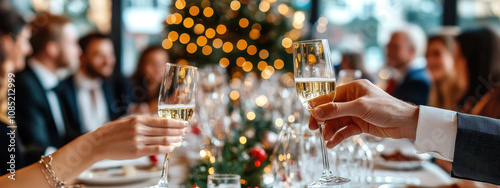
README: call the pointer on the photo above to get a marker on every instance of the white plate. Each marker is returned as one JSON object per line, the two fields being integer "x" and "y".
{"x": 115, "y": 176}
{"x": 406, "y": 147}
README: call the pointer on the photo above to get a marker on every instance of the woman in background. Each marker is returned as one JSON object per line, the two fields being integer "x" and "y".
{"x": 125, "y": 138}
{"x": 147, "y": 79}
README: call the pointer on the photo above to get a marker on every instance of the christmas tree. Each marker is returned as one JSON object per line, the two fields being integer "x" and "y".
{"x": 242, "y": 36}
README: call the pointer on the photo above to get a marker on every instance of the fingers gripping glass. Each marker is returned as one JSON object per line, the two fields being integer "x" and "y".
{"x": 315, "y": 85}
{"x": 176, "y": 101}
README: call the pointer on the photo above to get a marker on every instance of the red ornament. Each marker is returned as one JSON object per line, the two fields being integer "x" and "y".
{"x": 258, "y": 154}
{"x": 195, "y": 129}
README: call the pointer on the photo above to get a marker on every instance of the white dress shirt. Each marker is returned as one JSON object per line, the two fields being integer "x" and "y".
{"x": 436, "y": 132}
{"x": 92, "y": 104}
{"x": 49, "y": 81}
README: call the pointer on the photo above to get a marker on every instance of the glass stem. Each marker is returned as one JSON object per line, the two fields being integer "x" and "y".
{"x": 164, "y": 174}
{"x": 324, "y": 152}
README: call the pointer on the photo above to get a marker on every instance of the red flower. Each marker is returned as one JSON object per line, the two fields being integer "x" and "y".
{"x": 258, "y": 154}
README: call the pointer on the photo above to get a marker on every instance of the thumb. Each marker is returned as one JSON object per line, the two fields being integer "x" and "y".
{"x": 337, "y": 109}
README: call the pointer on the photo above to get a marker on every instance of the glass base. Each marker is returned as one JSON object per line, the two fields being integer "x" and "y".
{"x": 329, "y": 182}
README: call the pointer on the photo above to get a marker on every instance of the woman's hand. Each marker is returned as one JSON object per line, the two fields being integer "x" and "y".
{"x": 137, "y": 136}
{"x": 361, "y": 107}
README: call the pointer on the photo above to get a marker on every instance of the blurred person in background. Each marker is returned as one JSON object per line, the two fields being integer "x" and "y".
{"x": 441, "y": 67}
{"x": 14, "y": 47}
{"x": 354, "y": 61}
{"x": 464, "y": 75}
{"x": 409, "y": 82}
{"x": 91, "y": 97}
{"x": 39, "y": 115}
{"x": 147, "y": 79}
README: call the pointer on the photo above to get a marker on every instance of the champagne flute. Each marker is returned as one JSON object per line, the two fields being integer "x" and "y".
{"x": 315, "y": 80}
{"x": 176, "y": 101}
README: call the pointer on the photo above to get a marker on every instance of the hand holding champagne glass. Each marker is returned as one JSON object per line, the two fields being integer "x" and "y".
{"x": 176, "y": 101}
{"x": 315, "y": 84}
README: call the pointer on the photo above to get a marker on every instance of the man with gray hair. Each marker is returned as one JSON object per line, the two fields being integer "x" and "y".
{"x": 403, "y": 52}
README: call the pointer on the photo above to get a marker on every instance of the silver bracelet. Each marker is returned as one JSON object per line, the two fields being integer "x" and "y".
{"x": 48, "y": 167}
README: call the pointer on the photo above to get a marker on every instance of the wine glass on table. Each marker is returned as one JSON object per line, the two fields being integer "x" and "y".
{"x": 176, "y": 101}
{"x": 315, "y": 85}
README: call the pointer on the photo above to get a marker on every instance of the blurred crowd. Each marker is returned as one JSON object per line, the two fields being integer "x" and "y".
{"x": 451, "y": 70}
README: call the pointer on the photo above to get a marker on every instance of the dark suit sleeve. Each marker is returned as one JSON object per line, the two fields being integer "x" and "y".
{"x": 477, "y": 149}
{"x": 31, "y": 123}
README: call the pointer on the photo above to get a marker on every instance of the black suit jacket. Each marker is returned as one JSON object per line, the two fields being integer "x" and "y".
{"x": 116, "y": 93}
{"x": 36, "y": 125}
{"x": 414, "y": 88}
{"x": 477, "y": 149}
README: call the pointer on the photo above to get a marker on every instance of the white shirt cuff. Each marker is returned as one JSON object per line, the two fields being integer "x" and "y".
{"x": 436, "y": 132}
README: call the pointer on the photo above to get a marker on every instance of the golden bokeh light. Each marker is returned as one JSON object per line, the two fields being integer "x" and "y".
{"x": 210, "y": 33}
{"x": 227, "y": 47}
{"x": 322, "y": 21}
{"x": 242, "y": 44}
{"x": 252, "y": 50}
{"x": 262, "y": 65}
{"x": 188, "y": 22}
{"x": 166, "y": 44}
{"x": 243, "y": 140}
{"x": 180, "y": 4}
{"x": 191, "y": 48}
{"x": 251, "y": 115}
{"x": 261, "y": 101}
{"x": 205, "y": 3}
{"x": 169, "y": 19}
{"x": 283, "y": 9}
{"x": 224, "y": 62}
{"x": 244, "y": 22}
{"x": 206, "y": 50}
{"x": 257, "y": 26}
{"x": 286, "y": 42}
{"x": 234, "y": 95}
{"x": 311, "y": 59}
{"x": 199, "y": 29}
{"x": 217, "y": 43}
{"x": 201, "y": 41}
{"x": 247, "y": 66}
{"x": 221, "y": 29}
{"x": 263, "y": 54}
{"x": 279, "y": 64}
{"x": 173, "y": 36}
{"x": 240, "y": 61}
{"x": 235, "y": 5}
{"x": 254, "y": 34}
{"x": 176, "y": 18}
{"x": 264, "y": 6}
{"x": 279, "y": 123}
{"x": 182, "y": 62}
{"x": 208, "y": 12}
{"x": 211, "y": 170}
{"x": 194, "y": 10}
{"x": 184, "y": 38}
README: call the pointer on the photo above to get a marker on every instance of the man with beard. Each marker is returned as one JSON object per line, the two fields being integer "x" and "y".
{"x": 91, "y": 97}
{"x": 39, "y": 116}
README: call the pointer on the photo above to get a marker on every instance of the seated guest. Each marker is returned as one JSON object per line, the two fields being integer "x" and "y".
{"x": 147, "y": 79}
{"x": 409, "y": 82}
{"x": 14, "y": 40}
{"x": 354, "y": 60}
{"x": 90, "y": 96}
{"x": 39, "y": 115}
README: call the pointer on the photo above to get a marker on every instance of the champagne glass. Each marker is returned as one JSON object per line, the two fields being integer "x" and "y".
{"x": 315, "y": 85}
{"x": 176, "y": 101}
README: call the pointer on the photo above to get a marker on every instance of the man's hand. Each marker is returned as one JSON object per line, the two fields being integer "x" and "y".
{"x": 361, "y": 107}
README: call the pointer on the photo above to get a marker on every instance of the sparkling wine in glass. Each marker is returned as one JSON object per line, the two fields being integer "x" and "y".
{"x": 315, "y": 85}
{"x": 176, "y": 101}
